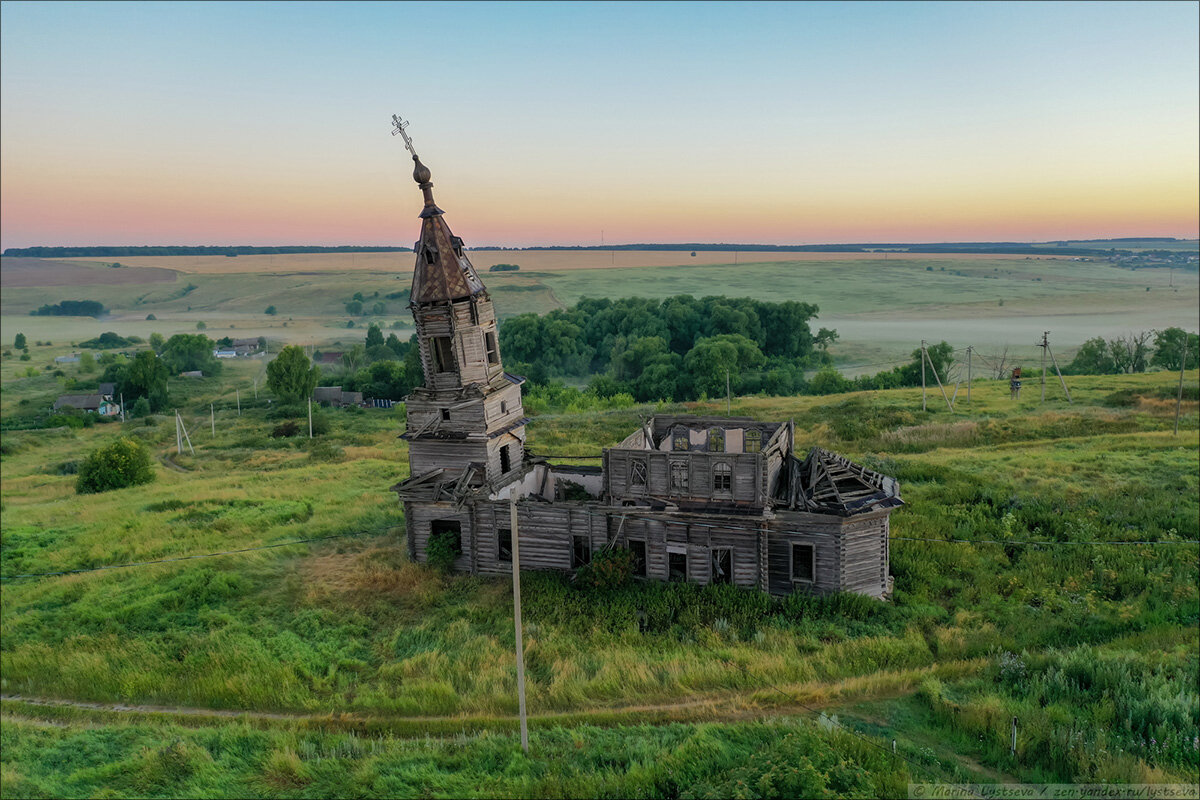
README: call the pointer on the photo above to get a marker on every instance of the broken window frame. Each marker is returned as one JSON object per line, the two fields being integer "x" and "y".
{"x": 504, "y": 544}
{"x": 752, "y": 443}
{"x": 722, "y": 478}
{"x": 673, "y": 572}
{"x": 639, "y": 474}
{"x": 714, "y": 564}
{"x": 680, "y": 472}
{"x": 492, "y": 348}
{"x": 640, "y": 560}
{"x": 581, "y": 551}
{"x": 441, "y": 352}
{"x": 716, "y": 441}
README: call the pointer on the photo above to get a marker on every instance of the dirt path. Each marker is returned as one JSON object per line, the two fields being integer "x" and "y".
{"x": 756, "y": 703}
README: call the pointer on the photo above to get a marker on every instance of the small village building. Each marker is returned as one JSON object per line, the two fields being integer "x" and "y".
{"x": 92, "y": 403}
{"x": 73, "y": 358}
{"x": 332, "y": 357}
{"x": 701, "y": 499}
{"x": 336, "y": 397}
{"x": 225, "y": 352}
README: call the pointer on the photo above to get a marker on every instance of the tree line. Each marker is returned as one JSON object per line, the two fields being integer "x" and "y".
{"x": 187, "y": 250}
{"x": 680, "y": 348}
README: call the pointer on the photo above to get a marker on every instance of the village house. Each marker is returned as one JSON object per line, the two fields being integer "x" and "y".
{"x": 93, "y": 403}
{"x": 336, "y": 397}
{"x": 702, "y": 499}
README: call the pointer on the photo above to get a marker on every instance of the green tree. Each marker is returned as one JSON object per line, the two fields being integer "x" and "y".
{"x": 200, "y": 325}
{"x": 271, "y": 311}
{"x": 185, "y": 352}
{"x": 87, "y": 362}
{"x": 374, "y": 336}
{"x": 114, "y": 466}
{"x": 354, "y": 307}
{"x": 145, "y": 376}
{"x": 290, "y": 375}
{"x": 378, "y": 309}
{"x": 19, "y": 341}
{"x": 140, "y": 409}
{"x": 1169, "y": 349}
{"x": 713, "y": 358}
{"x": 1093, "y": 358}
{"x": 398, "y": 347}
{"x": 157, "y": 342}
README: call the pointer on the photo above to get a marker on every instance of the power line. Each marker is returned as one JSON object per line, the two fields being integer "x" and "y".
{"x": 189, "y": 558}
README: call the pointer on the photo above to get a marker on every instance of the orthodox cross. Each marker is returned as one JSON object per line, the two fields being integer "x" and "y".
{"x": 400, "y": 125}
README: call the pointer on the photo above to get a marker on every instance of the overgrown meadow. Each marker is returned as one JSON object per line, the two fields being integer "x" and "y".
{"x": 366, "y": 674}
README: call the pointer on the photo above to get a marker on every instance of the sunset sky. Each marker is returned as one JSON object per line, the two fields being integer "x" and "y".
{"x": 269, "y": 123}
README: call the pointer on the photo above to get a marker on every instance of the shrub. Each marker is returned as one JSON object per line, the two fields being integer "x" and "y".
{"x": 114, "y": 466}
{"x": 141, "y": 408}
{"x": 288, "y": 428}
{"x": 150, "y": 317}
{"x": 442, "y": 549}
{"x": 608, "y": 569}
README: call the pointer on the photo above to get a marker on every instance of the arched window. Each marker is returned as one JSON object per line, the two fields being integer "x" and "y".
{"x": 716, "y": 441}
{"x": 753, "y": 441}
{"x": 680, "y": 441}
{"x": 722, "y": 478}
{"x": 637, "y": 473}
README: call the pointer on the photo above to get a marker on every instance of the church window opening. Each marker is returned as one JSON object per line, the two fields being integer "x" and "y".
{"x": 443, "y": 354}
{"x": 722, "y": 565}
{"x": 505, "y": 459}
{"x": 803, "y": 563}
{"x": 716, "y": 441}
{"x": 638, "y": 548}
{"x": 430, "y": 255}
{"x": 581, "y": 551}
{"x": 504, "y": 544}
{"x": 677, "y": 567}
{"x": 722, "y": 478}
{"x": 637, "y": 473}
{"x": 445, "y": 415}
{"x": 681, "y": 441}
{"x": 493, "y": 352}
{"x": 753, "y": 441}
{"x": 679, "y": 476}
{"x": 503, "y": 407}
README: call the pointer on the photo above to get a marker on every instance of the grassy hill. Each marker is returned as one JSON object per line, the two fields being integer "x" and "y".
{"x": 336, "y": 668}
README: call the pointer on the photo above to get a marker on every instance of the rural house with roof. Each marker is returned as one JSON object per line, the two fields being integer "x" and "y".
{"x": 703, "y": 499}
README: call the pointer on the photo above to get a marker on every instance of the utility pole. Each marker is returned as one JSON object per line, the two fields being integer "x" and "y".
{"x": 969, "y": 348}
{"x": 212, "y": 416}
{"x": 256, "y": 388}
{"x": 1044, "y": 344}
{"x": 238, "y": 394}
{"x": 178, "y": 435}
{"x": 516, "y": 567}
{"x": 310, "y": 417}
{"x": 122, "y": 406}
{"x": 1061, "y": 380}
{"x": 1179, "y": 396}
{"x": 923, "y": 375}
{"x": 180, "y": 426}
{"x": 728, "y": 397}
{"x": 1013, "y": 748}
{"x": 949, "y": 405}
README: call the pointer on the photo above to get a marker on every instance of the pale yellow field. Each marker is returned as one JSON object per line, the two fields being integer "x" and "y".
{"x": 528, "y": 260}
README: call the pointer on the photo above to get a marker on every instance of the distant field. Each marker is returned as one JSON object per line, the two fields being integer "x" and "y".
{"x": 529, "y": 260}
{"x": 882, "y": 306}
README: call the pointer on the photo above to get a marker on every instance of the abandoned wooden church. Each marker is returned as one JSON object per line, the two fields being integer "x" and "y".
{"x": 704, "y": 499}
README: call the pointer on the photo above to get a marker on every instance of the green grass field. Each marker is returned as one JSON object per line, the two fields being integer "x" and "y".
{"x": 366, "y": 674}
{"x": 882, "y": 308}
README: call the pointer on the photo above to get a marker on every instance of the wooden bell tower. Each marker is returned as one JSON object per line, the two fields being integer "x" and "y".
{"x": 468, "y": 413}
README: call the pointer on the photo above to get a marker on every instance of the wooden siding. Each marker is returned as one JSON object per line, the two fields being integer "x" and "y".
{"x": 746, "y": 474}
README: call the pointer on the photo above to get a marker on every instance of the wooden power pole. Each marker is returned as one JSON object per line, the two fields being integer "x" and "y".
{"x": 1044, "y": 345}
{"x": 516, "y": 566}
{"x": 969, "y": 375}
{"x": 1179, "y": 396}
{"x": 923, "y": 375}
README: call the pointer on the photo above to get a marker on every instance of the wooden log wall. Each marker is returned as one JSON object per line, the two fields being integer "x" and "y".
{"x": 747, "y": 476}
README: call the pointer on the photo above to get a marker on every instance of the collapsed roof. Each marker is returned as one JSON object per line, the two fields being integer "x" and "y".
{"x": 827, "y": 483}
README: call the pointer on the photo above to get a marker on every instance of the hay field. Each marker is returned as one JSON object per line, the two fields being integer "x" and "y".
{"x": 528, "y": 260}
